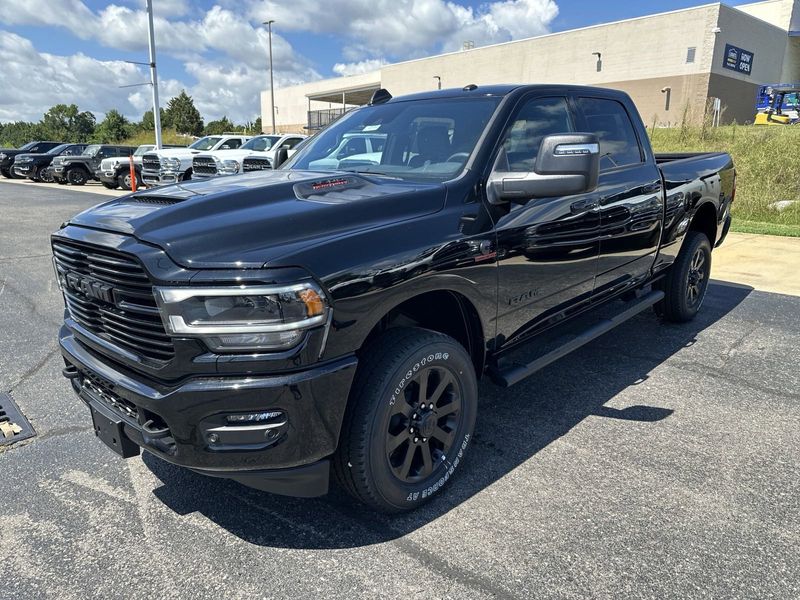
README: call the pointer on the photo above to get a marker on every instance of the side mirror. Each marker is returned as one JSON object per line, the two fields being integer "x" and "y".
{"x": 567, "y": 164}
{"x": 281, "y": 156}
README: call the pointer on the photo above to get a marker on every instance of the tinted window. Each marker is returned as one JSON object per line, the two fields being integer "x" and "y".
{"x": 610, "y": 121}
{"x": 292, "y": 142}
{"x": 536, "y": 119}
{"x": 233, "y": 143}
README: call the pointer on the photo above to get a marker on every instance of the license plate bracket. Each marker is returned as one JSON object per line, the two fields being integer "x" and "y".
{"x": 111, "y": 431}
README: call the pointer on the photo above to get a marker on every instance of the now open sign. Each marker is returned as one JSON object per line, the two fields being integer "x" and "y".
{"x": 738, "y": 59}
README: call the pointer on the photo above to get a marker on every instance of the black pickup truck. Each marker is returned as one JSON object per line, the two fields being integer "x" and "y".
{"x": 275, "y": 327}
{"x": 36, "y": 166}
{"x": 77, "y": 170}
{"x": 7, "y": 155}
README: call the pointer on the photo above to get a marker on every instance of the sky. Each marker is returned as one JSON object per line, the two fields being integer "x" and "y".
{"x": 74, "y": 51}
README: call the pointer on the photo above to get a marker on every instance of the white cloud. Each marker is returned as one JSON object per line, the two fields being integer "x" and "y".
{"x": 359, "y": 67}
{"x": 409, "y": 28}
{"x": 31, "y": 82}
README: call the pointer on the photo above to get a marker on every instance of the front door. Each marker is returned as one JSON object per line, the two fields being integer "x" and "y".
{"x": 547, "y": 248}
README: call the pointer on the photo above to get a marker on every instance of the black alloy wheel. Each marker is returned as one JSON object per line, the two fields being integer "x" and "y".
{"x": 409, "y": 419}
{"x": 77, "y": 176}
{"x": 422, "y": 427}
{"x": 686, "y": 282}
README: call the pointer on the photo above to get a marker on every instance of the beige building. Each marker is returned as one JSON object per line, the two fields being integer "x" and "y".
{"x": 670, "y": 63}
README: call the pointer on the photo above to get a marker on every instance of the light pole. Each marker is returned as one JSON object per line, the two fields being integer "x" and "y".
{"x": 271, "y": 86}
{"x": 151, "y": 39}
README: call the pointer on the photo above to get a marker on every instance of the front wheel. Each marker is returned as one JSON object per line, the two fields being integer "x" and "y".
{"x": 77, "y": 176}
{"x": 5, "y": 173}
{"x": 409, "y": 419}
{"x": 124, "y": 181}
{"x": 686, "y": 282}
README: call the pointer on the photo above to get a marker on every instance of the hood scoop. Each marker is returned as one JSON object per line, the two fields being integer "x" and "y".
{"x": 164, "y": 200}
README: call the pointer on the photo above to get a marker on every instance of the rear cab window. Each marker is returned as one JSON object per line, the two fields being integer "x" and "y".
{"x": 608, "y": 119}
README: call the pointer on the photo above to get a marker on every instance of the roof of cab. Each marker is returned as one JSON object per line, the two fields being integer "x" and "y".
{"x": 504, "y": 90}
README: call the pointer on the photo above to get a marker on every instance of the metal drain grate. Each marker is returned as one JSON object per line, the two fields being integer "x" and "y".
{"x": 14, "y": 427}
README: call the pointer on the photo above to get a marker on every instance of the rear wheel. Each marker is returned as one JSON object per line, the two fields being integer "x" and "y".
{"x": 687, "y": 280}
{"x": 77, "y": 176}
{"x": 44, "y": 176}
{"x": 409, "y": 420}
{"x": 5, "y": 173}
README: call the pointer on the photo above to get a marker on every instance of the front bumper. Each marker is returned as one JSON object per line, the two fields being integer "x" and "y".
{"x": 176, "y": 421}
{"x": 155, "y": 179}
{"x": 23, "y": 171}
{"x": 109, "y": 177}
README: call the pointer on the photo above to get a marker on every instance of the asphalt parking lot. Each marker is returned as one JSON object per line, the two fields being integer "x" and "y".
{"x": 659, "y": 461}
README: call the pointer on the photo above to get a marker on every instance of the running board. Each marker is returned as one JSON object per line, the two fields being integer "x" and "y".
{"x": 508, "y": 376}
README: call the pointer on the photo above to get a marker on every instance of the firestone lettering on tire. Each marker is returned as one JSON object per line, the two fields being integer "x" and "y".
{"x": 410, "y": 373}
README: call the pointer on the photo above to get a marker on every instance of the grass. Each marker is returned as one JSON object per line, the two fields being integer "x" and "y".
{"x": 168, "y": 136}
{"x": 767, "y": 162}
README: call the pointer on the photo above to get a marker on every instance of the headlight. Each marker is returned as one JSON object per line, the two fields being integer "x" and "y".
{"x": 270, "y": 317}
{"x": 3, "y": 156}
{"x": 229, "y": 166}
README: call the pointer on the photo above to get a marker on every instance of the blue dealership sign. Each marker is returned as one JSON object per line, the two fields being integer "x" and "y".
{"x": 737, "y": 59}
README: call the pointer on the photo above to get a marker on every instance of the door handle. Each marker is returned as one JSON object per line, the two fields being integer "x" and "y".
{"x": 582, "y": 206}
{"x": 652, "y": 188}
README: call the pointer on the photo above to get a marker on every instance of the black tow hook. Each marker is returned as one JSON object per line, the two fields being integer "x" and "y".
{"x": 70, "y": 372}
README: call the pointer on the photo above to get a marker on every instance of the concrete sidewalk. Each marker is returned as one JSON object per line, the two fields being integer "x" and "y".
{"x": 765, "y": 262}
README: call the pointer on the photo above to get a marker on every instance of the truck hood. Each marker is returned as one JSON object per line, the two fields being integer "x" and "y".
{"x": 32, "y": 156}
{"x": 253, "y": 220}
{"x": 179, "y": 152}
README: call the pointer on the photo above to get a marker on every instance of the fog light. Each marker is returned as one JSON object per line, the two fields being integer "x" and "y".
{"x": 259, "y": 417}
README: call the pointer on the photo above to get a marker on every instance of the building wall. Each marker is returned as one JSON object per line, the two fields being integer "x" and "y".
{"x": 640, "y": 56}
{"x": 292, "y": 104}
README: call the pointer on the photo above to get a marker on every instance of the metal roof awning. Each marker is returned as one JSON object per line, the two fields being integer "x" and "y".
{"x": 353, "y": 95}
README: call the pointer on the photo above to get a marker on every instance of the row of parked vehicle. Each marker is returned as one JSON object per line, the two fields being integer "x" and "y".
{"x": 210, "y": 156}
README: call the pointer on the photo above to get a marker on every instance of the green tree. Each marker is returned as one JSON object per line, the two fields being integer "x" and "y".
{"x": 148, "y": 123}
{"x": 64, "y": 122}
{"x": 183, "y": 115}
{"x": 220, "y": 126}
{"x": 113, "y": 128}
{"x": 257, "y": 126}
{"x": 18, "y": 133}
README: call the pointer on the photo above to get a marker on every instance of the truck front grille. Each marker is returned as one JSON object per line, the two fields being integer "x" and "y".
{"x": 151, "y": 163}
{"x": 109, "y": 293}
{"x": 204, "y": 166}
{"x": 255, "y": 164}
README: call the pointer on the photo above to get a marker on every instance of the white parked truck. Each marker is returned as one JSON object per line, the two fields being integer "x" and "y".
{"x": 171, "y": 165}
{"x": 255, "y": 155}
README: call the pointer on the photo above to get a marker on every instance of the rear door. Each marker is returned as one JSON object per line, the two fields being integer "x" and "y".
{"x": 631, "y": 195}
{"x": 547, "y": 247}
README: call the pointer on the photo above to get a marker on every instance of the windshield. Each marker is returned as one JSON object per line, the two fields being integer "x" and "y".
{"x": 422, "y": 139}
{"x": 261, "y": 143}
{"x": 206, "y": 143}
{"x": 92, "y": 150}
{"x": 58, "y": 149}
{"x": 142, "y": 149}
{"x": 28, "y": 146}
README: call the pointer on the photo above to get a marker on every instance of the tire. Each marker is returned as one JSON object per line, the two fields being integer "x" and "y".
{"x": 384, "y": 408}
{"x": 44, "y": 177}
{"x": 187, "y": 176}
{"x": 124, "y": 181}
{"x": 77, "y": 176}
{"x": 686, "y": 282}
{"x": 5, "y": 173}
{"x": 109, "y": 186}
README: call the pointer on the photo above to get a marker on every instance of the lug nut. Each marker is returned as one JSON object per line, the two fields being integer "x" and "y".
{"x": 430, "y": 406}
{"x": 415, "y": 416}
{"x": 411, "y": 430}
{"x": 213, "y": 438}
{"x": 416, "y": 439}
{"x": 424, "y": 440}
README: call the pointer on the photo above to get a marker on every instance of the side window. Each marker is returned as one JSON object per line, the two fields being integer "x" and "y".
{"x": 234, "y": 143}
{"x": 536, "y": 119}
{"x": 106, "y": 152}
{"x": 610, "y": 121}
{"x": 292, "y": 142}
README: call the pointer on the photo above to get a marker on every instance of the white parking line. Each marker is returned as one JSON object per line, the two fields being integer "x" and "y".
{"x": 92, "y": 187}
